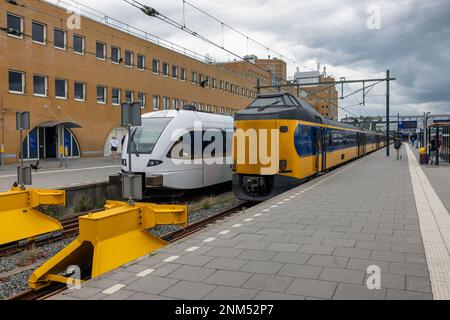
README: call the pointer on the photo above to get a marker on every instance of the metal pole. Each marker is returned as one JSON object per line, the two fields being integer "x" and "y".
{"x": 388, "y": 124}
{"x": 21, "y": 148}
{"x": 130, "y": 174}
{"x": 398, "y": 125}
{"x": 437, "y": 145}
{"x": 425, "y": 131}
{"x": 258, "y": 86}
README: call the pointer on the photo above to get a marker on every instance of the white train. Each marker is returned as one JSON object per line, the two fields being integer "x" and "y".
{"x": 173, "y": 149}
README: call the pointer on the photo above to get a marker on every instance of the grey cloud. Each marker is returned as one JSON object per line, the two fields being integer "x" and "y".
{"x": 414, "y": 41}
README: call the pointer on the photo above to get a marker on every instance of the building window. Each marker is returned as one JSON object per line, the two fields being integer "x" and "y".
{"x": 194, "y": 77}
{"x": 166, "y": 103}
{"x": 174, "y": 72}
{"x": 78, "y": 44}
{"x": 100, "y": 51}
{"x": 237, "y": 90}
{"x": 221, "y": 85}
{"x": 141, "y": 99}
{"x": 183, "y": 74}
{"x": 232, "y": 88}
{"x": 141, "y": 62}
{"x": 116, "y": 96}
{"x": 155, "y": 102}
{"x": 38, "y": 32}
{"x": 40, "y": 86}
{"x": 101, "y": 94}
{"x": 61, "y": 89}
{"x": 155, "y": 66}
{"x": 60, "y": 39}
{"x": 129, "y": 58}
{"x": 207, "y": 81}
{"x": 80, "y": 91}
{"x": 227, "y": 87}
{"x": 165, "y": 69}
{"x": 115, "y": 55}
{"x": 214, "y": 83}
{"x": 16, "y": 82}
{"x": 175, "y": 103}
{"x": 128, "y": 96}
{"x": 15, "y": 25}
{"x": 221, "y": 110}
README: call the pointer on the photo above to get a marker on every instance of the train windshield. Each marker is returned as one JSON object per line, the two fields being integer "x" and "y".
{"x": 267, "y": 102}
{"x": 144, "y": 139}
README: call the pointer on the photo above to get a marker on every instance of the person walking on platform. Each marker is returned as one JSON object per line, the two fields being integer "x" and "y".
{"x": 398, "y": 147}
{"x": 114, "y": 146}
{"x": 434, "y": 148}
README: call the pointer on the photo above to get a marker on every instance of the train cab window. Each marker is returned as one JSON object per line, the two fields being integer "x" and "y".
{"x": 294, "y": 101}
{"x": 267, "y": 102}
{"x": 304, "y": 141}
{"x": 145, "y": 138}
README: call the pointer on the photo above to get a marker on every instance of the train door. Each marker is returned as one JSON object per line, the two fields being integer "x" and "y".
{"x": 362, "y": 144}
{"x": 319, "y": 137}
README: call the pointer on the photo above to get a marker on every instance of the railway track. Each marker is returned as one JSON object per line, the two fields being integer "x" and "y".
{"x": 171, "y": 237}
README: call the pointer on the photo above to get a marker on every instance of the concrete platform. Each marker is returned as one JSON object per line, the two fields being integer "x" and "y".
{"x": 83, "y": 171}
{"x": 315, "y": 242}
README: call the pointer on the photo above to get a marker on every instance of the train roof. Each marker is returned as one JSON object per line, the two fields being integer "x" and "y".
{"x": 286, "y": 106}
{"x": 189, "y": 114}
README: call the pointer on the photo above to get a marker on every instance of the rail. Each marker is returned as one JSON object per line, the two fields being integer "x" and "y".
{"x": 172, "y": 237}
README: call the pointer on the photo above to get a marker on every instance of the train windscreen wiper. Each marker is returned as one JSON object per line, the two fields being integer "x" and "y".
{"x": 268, "y": 106}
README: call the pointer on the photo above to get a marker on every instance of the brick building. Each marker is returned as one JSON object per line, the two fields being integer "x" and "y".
{"x": 73, "y": 81}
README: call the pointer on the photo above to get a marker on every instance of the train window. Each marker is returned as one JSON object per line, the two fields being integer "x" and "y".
{"x": 330, "y": 139}
{"x": 267, "y": 102}
{"x": 144, "y": 139}
{"x": 304, "y": 137}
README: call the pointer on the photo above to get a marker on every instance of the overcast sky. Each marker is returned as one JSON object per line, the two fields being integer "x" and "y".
{"x": 412, "y": 39}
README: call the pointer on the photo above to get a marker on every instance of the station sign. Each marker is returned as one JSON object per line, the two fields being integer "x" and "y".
{"x": 407, "y": 125}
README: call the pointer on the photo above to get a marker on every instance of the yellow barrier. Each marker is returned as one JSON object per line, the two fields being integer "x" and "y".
{"x": 19, "y": 220}
{"x": 109, "y": 239}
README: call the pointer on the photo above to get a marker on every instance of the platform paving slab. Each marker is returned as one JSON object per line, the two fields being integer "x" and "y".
{"x": 314, "y": 242}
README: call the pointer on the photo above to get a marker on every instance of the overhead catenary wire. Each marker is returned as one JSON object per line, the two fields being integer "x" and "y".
{"x": 245, "y": 35}
{"x": 154, "y": 13}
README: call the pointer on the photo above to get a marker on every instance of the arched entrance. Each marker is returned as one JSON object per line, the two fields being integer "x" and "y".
{"x": 119, "y": 133}
{"x": 48, "y": 139}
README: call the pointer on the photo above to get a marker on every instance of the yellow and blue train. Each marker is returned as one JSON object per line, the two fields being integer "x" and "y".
{"x": 281, "y": 142}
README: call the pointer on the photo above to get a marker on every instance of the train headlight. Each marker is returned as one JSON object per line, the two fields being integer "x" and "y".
{"x": 154, "y": 163}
